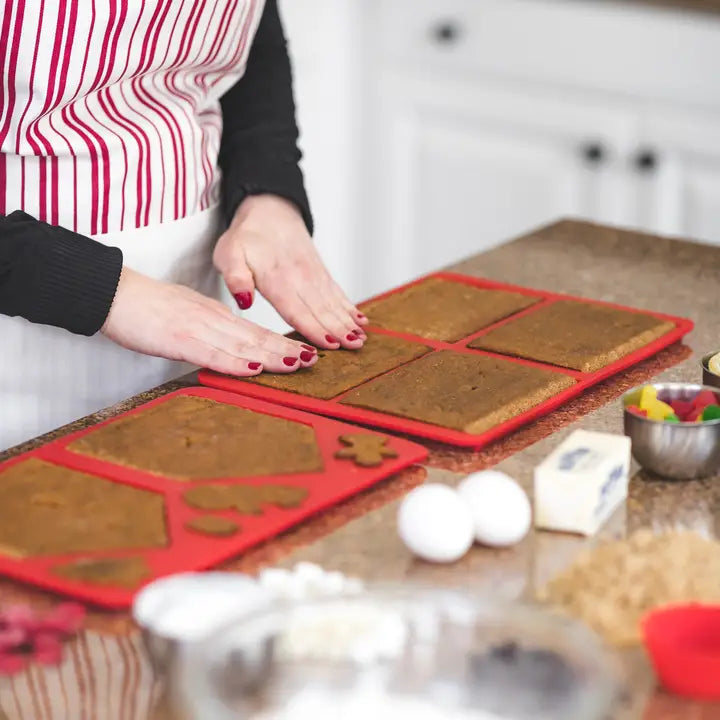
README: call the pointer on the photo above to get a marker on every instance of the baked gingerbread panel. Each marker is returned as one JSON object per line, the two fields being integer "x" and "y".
{"x": 576, "y": 335}
{"x": 339, "y": 370}
{"x": 441, "y": 309}
{"x": 188, "y": 438}
{"x": 460, "y": 391}
{"x": 115, "y": 572}
{"x": 46, "y": 509}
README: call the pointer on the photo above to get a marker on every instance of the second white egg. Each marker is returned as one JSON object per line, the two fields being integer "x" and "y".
{"x": 499, "y": 507}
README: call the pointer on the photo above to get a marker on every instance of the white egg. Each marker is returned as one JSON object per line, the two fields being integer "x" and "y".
{"x": 435, "y": 523}
{"x": 499, "y": 507}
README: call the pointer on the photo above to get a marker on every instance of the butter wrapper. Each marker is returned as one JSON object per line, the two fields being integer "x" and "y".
{"x": 582, "y": 482}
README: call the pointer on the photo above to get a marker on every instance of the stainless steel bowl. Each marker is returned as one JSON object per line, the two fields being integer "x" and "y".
{"x": 678, "y": 451}
{"x": 709, "y": 378}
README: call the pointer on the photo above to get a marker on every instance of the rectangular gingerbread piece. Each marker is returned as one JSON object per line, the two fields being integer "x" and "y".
{"x": 461, "y": 391}
{"x": 194, "y": 438}
{"x": 573, "y": 334}
{"x": 445, "y": 310}
{"x": 339, "y": 370}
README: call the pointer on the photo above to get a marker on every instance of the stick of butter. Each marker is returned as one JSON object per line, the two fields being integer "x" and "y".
{"x": 581, "y": 483}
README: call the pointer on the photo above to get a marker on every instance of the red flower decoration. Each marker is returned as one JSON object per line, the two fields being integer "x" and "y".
{"x": 27, "y": 636}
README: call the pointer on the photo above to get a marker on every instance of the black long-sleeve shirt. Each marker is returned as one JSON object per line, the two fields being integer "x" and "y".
{"x": 54, "y": 276}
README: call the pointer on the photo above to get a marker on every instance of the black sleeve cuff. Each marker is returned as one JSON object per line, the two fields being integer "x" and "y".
{"x": 284, "y": 180}
{"x": 259, "y": 151}
{"x": 53, "y": 276}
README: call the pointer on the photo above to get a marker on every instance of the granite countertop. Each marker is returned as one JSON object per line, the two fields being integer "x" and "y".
{"x": 106, "y": 674}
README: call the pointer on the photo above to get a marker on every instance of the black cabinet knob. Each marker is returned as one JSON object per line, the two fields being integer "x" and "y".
{"x": 446, "y": 32}
{"x": 594, "y": 153}
{"x": 646, "y": 161}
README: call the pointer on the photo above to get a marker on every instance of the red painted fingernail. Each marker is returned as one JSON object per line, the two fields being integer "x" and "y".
{"x": 290, "y": 361}
{"x": 244, "y": 300}
{"x": 309, "y": 348}
{"x": 331, "y": 339}
{"x": 254, "y": 366}
{"x": 306, "y": 356}
{"x": 361, "y": 316}
{"x": 352, "y": 337}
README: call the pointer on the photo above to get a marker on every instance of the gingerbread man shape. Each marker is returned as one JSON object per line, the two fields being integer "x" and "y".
{"x": 365, "y": 450}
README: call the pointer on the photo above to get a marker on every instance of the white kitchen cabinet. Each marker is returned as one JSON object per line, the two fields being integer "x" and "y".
{"x": 489, "y": 117}
{"x": 458, "y": 167}
{"x": 679, "y": 194}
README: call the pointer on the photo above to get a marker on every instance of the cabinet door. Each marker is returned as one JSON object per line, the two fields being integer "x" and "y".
{"x": 459, "y": 168}
{"x": 676, "y": 163}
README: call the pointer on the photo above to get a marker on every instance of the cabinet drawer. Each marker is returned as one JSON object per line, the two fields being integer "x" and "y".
{"x": 642, "y": 51}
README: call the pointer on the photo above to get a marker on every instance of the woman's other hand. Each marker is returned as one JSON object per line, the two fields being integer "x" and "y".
{"x": 177, "y": 323}
{"x": 267, "y": 247}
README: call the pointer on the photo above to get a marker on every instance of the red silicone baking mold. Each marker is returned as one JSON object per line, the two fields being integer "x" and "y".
{"x": 333, "y": 408}
{"x": 187, "y": 550}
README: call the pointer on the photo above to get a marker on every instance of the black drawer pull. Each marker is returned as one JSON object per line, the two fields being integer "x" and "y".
{"x": 446, "y": 32}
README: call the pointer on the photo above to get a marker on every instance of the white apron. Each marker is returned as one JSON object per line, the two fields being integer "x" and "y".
{"x": 49, "y": 377}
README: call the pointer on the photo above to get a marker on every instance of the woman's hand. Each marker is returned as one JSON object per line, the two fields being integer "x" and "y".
{"x": 267, "y": 247}
{"x": 177, "y": 323}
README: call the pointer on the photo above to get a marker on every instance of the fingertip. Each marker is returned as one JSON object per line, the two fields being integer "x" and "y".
{"x": 244, "y": 299}
{"x": 308, "y": 363}
{"x": 353, "y": 341}
{"x": 255, "y": 367}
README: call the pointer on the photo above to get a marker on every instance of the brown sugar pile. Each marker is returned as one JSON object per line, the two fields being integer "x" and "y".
{"x": 189, "y": 438}
{"x": 440, "y": 309}
{"x": 613, "y": 586}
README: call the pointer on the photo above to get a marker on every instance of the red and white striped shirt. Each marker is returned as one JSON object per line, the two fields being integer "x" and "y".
{"x": 109, "y": 109}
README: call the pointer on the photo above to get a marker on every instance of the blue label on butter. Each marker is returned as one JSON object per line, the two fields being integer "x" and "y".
{"x": 608, "y": 486}
{"x": 570, "y": 460}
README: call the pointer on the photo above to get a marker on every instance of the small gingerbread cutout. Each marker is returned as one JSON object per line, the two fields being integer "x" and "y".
{"x": 365, "y": 450}
{"x": 245, "y": 499}
{"x": 212, "y": 525}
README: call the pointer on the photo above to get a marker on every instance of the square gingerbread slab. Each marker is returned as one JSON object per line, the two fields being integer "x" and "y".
{"x": 445, "y": 310}
{"x": 460, "y": 391}
{"x": 576, "y": 335}
{"x": 190, "y": 438}
{"x": 339, "y": 370}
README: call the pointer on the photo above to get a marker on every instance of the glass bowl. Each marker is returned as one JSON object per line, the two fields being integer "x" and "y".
{"x": 421, "y": 653}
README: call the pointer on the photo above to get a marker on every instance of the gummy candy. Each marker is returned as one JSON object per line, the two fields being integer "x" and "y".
{"x": 703, "y": 399}
{"x": 635, "y": 410}
{"x": 711, "y": 412}
{"x": 658, "y": 410}
{"x": 672, "y": 418}
{"x": 648, "y": 394}
{"x": 684, "y": 409}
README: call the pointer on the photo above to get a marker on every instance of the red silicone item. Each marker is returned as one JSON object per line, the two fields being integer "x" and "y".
{"x": 684, "y": 645}
{"x": 333, "y": 408}
{"x": 186, "y": 551}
